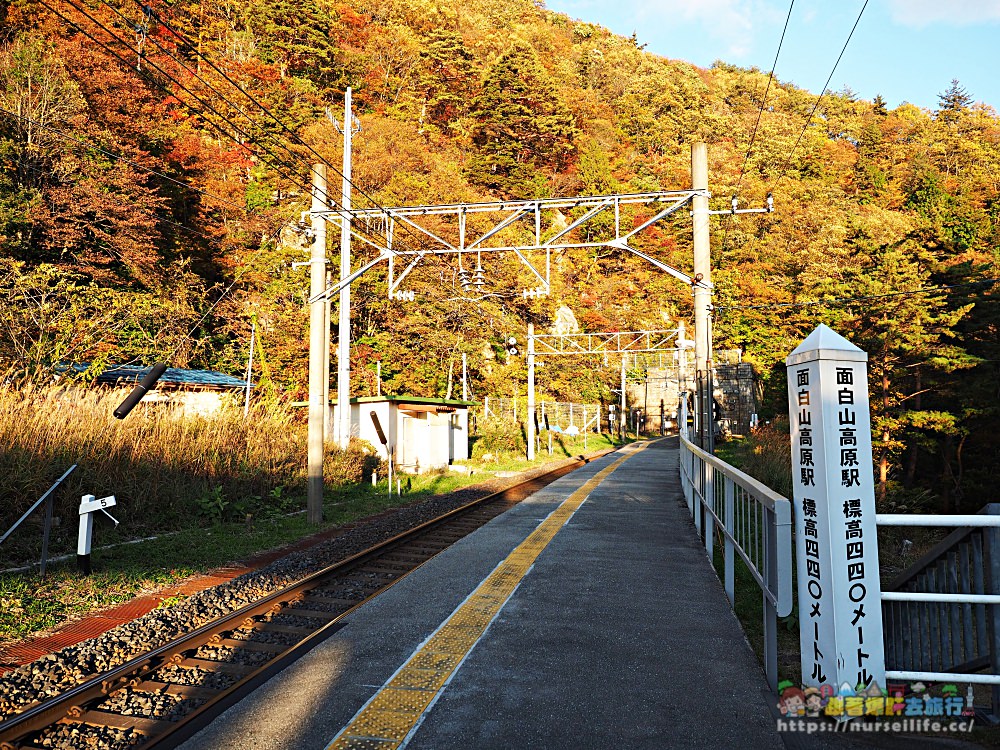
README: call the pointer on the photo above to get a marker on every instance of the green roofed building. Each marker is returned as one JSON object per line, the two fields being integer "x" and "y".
{"x": 422, "y": 433}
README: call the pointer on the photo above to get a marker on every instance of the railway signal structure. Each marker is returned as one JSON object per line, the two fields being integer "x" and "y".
{"x": 615, "y": 343}
{"x": 530, "y": 229}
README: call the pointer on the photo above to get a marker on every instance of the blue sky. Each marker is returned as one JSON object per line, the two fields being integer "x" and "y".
{"x": 906, "y": 50}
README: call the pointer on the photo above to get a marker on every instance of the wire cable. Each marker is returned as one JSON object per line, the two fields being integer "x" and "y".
{"x": 763, "y": 101}
{"x": 275, "y": 164}
{"x": 154, "y": 216}
{"x": 866, "y": 298}
{"x": 227, "y": 100}
{"x": 192, "y": 48}
{"x": 186, "y": 44}
{"x": 760, "y": 112}
{"x": 134, "y": 50}
{"x": 130, "y": 162}
{"x": 826, "y": 86}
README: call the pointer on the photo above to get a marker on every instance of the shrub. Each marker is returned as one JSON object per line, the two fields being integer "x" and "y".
{"x": 769, "y": 458}
{"x": 352, "y": 465}
{"x": 500, "y": 437}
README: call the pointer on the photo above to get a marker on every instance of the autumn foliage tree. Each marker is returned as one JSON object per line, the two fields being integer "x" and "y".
{"x": 521, "y": 127}
{"x": 135, "y": 204}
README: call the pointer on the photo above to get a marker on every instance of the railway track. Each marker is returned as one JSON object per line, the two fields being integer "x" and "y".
{"x": 162, "y": 697}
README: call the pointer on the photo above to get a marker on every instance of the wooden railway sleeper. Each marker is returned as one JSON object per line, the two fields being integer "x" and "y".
{"x": 413, "y": 547}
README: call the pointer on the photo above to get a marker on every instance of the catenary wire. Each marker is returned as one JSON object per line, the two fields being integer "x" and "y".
{"x": 865, "y": 298}
{"x": 227, "y": 100}
{"x": 363, "y": 232}
{"x": 760, "y": 112}
{"x": 826, "y": 86}
{"x": 126, "y": 160}
{"x": 187, "y": 45}
{"x": 763, "y": 101}
{"x": 195, "y": 50}
{"x": 155, "y": 216}
{"x": 190, "y": 47}
{"x": 278, "y": 165}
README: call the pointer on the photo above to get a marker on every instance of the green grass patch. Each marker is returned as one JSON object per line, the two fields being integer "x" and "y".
{"x": 30, "y": 604}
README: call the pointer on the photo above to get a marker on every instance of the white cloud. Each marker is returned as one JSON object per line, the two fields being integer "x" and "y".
{"x": 920, "y": 13}
{"x": 735, "y": 23}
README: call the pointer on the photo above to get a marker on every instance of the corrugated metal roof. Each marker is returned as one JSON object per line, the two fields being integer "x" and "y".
{"x": 174, "y": 376}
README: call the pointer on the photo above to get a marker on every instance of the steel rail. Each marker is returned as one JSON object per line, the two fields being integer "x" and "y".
{"x": 17, "y": 728}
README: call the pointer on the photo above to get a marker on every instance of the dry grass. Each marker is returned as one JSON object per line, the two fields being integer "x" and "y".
{"x": 163, "y": 466}
{"x": 765, "y": 454}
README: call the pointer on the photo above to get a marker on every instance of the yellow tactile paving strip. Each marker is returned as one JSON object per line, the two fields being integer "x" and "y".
{"x": 395, "y": 711}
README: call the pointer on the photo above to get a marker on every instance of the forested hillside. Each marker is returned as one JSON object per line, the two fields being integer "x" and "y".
{"x": 152, "y": 157}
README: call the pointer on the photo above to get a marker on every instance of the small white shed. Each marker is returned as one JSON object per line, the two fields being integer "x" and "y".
{"x": 424, "y": 433}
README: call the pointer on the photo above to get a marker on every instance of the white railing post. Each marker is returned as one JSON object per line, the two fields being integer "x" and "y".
{"x": 840, "y": 611}
{"x": 729, "y": 571}
{"x": 770, "y": 545}
{"x": 699, "y": 493}
{"x": 709, "y": 505}
{"x": 991, "y": 542}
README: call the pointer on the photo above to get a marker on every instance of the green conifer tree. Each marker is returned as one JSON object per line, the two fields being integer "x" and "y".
{"x": 521, "y": 126}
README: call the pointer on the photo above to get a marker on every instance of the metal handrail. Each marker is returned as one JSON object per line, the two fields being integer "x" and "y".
{"x": 38, "y": 502}
{"x": 763, "y": 542}
{"x": 780, "y": 506}
{"x": 952, "y": 630}
{"x": 47, "y": 525}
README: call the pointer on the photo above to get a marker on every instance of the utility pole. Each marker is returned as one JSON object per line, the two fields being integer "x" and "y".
{"x": 645, "y": 399}
{"x": 702, "y": 294}
{"x": 531, "y": 391}
{"x": 317, "y": 343}
{"x": 681, "y": 359}
{"x": 621, "y": 414}
{"x": 344, "y": 326}
{"x": 327, "y": 427}
{"x": 465, "y": 377}
{"x": 253, "y": 337}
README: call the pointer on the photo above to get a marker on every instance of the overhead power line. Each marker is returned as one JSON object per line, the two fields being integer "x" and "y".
{"x": 760, "y": 112}
{"x": 297, "y": 157}
{"x": 125, "y": 160}
{"x": 155, "y": 216}
{"x": 277, "y": 164}
{"x": 134, "y": 50}
{"x": 194, "y": 49}
{"x": 788, "y": 159}
{"x": 865, "y": 298}
{"x": 763, "y": 101}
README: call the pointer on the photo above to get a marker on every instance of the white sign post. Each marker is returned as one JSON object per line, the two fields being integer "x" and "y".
{"x": 88, "y": 506}
{"x": 840, "y": 610}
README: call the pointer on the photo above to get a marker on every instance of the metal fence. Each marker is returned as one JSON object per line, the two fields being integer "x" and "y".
{"x": 561, "y": 415}
{"x": 754, "y": 522}
{"x": 942, "y": 615}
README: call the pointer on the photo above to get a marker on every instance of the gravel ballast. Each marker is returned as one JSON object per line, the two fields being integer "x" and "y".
{"x": 57, "y": 672}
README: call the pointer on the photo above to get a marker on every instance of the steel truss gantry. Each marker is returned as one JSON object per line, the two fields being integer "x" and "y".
{"x": 617, "y": 342}
{"x": 549, "y": 231}
{"x": 598, "y": 344}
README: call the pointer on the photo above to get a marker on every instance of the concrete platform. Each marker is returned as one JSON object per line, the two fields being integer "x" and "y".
{"x": 618, "y": 635}
{"x": 605, "y": 627}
